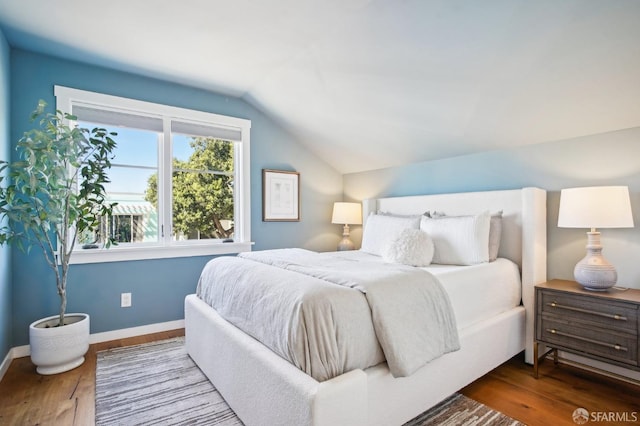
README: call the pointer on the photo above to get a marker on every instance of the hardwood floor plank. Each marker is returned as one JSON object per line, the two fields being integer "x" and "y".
{"x": 27, "y": 398}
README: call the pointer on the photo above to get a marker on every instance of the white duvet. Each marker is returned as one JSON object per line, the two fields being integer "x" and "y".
{"x": 329, "y": 313}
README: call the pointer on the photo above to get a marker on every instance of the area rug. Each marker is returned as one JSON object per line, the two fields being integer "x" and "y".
{"x": 158, "y": 384}
{"x": 458, "y": 410}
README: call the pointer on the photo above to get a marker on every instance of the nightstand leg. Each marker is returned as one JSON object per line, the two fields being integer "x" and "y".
{"x": 555, "y": 356}
{"x": 535, "y": 360}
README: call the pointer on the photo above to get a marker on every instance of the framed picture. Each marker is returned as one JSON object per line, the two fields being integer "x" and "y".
{"x": 280, "y": 196}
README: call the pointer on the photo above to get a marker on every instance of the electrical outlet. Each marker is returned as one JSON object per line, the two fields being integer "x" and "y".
{"x": 125, "y": 300}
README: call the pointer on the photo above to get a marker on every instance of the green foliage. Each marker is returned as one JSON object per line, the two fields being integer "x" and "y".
{"x": 55, "y": 190}
{"x": 201, "y": 198}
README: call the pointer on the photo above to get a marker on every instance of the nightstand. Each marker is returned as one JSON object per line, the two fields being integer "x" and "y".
{"x": 597, "y": 325}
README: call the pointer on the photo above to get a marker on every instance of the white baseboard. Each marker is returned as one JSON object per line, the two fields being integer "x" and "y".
{"x": 5, "y": 364}
{"x": 123, "y": 333}
{"x": 22, "y": 351}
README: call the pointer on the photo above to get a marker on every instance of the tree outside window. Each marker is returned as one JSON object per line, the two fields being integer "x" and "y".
{"x": 203, "y": 196}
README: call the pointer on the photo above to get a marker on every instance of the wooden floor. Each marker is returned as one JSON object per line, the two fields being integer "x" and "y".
{"x": 27, "y": 398}
{"x": 552, "y": 399}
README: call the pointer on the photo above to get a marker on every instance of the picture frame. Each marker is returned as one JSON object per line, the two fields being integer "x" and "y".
{"x": 280, "y": 196}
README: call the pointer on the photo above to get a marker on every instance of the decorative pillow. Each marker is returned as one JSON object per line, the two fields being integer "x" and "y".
{"x": 459, "y": 240}
{"x": 380, "y": 230}
{"x": 411, "y": 247}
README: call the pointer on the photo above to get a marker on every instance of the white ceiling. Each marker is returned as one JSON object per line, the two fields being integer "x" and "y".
{"x": 372, "y": 84}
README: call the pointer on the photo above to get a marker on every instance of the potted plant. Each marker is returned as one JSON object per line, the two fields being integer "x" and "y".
{"x": 54, "y": 193}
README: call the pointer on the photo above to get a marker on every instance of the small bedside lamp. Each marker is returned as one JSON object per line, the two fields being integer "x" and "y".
{"x": 595, "y": 207}
{"x": 345, "y": 214}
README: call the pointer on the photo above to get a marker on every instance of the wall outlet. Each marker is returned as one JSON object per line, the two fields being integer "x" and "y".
{"x": 125, "y": 300}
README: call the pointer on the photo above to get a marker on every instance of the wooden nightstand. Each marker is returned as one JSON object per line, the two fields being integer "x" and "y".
{"x": 597, "y": 325}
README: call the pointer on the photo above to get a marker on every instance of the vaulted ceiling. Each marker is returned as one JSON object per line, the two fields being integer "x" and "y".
{"x": 372, "y": 84}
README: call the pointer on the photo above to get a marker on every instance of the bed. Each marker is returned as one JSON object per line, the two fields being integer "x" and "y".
{"x": 263, "y": 388}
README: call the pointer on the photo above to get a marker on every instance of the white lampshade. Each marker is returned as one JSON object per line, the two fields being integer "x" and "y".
{"x": 595, "y": 207}
{"x": 347, "y": 213}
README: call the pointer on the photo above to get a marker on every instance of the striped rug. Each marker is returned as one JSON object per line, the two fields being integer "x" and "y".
{"x": 158, "y": 384}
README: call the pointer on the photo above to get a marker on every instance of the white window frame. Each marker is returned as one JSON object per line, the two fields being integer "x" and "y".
{"x": 166, "y": 248}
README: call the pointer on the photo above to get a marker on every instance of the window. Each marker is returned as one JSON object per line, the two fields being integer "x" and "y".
{"x": 180, "y": 179}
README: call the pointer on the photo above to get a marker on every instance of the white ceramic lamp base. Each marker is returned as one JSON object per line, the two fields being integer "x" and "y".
{"x": 346, "y": 244}
{"x": 594, "y": 272}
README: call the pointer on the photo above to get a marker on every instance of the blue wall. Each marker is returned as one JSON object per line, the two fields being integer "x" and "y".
{"x": 5, "y": 276}
{"x": 605, "y": 159}
{"x": 158, "y": 287}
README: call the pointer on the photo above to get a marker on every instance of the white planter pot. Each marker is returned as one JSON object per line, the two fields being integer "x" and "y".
{"x": 58, "y": 349}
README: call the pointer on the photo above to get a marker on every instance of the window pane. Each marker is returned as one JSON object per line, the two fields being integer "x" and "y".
{"x": 136, "y": 147}
{"x": 133, "y": 187}
{"x": 203, "y": 206}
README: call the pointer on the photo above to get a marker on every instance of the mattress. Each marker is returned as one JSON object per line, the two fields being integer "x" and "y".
{"x": 478, "y": 292}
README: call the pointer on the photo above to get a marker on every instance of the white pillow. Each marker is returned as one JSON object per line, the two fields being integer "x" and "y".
{"x": 495, "y": 231}
{"x": 411, "y": 247}
{"x": 381, "y": 230}
{"x": 459, "y": 240}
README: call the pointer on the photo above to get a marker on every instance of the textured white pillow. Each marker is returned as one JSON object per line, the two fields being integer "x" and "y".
{"x": 459, "y": 240}
{"x": 411, "y": 247}
{"x": 380, "y": 230}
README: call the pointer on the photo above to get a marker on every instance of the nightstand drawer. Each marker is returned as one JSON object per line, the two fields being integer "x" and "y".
{"x": 614, "y": 345}
{"x": 593, "y": 311}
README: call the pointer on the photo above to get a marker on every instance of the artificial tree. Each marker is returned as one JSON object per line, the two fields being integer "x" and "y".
{"x": 56, "y": 191}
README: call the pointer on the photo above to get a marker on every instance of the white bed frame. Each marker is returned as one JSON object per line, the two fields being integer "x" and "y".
{"x": 264, "y": 389}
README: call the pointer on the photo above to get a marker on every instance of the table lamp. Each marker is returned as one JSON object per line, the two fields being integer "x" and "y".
{"x": 346, "y": 214}
{"x": 595, "y": 207}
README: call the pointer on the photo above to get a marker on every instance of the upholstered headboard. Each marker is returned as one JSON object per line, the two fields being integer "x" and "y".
{"x": 524, "y": 229}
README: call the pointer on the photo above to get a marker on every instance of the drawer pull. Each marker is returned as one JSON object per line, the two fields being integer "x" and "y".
{"x": 616, "y": 346}
{"x": 616, "y": 317}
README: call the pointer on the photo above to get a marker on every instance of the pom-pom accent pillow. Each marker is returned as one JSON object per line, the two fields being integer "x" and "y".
{"x": 459, "y": 240}
{"x": 411, "y": 247}
{"x": 380, "y": 230}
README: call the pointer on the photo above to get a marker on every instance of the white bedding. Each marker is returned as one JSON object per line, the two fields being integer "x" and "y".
{"x": 270, "y": 313}
{"x": 476, "y": 292}
{"x": 289, "y": 300}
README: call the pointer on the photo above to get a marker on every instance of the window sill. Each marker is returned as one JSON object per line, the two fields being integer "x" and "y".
{"x": 123, "y": 254}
